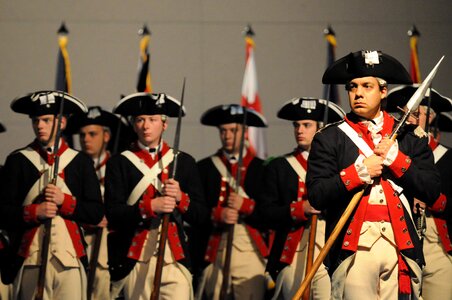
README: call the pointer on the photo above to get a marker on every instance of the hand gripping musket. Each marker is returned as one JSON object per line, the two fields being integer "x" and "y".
{"x": 48, "y": 222}
{"x": 230, "y": 228}
{"x": 165, "y": 221}
{"x": 412, "y": 105}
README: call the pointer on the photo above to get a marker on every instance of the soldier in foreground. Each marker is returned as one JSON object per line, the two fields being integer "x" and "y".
{"x": 378, "y": 253}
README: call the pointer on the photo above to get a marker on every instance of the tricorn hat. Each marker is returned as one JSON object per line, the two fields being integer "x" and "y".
{"x": 366, "y": 63}
{"x": 47, "y": 103}
{"x": 399, "y": 96}
{"x": 2, "y": 128}
{"x": 232, "y": 113}
{"x": 310, "y": 109}
{"x": 148, "y": 104}
{"x": 95, "y": 116}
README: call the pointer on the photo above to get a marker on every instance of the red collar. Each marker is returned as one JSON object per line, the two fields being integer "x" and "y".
{"x": 361, "y": 128}
{"x": 49, "y": 157}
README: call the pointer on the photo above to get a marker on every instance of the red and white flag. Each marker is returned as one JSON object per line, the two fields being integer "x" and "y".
{"x": 250, "y": 98}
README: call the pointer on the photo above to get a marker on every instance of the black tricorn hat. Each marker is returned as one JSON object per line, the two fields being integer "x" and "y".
{"x": 399, "y": 96}
{"x": 95, "y": 116}
{"x": 366, "y": 63}
{"x": 2, "y": 128}
{"x": 310, "y": 109}
{"x": 444, "y": 121}
{"x": 148, "y": 104}
{"x": 47, "y": 103}
{"x": 232, "y": 113}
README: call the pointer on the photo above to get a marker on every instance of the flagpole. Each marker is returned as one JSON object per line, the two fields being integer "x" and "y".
{"x": 250, "y": 96}
{"x": 144, "y": 73}
{"x": 415, "y": 72}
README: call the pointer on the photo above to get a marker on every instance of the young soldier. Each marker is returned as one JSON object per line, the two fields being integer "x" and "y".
{"x": 437, "y": 243}
{"x": 378, "y": 253}
{"x": 284, "y": 206}
{"x": 232, "y": 203}
{"x": 30, "y": 197}
{"x": 95, "y": 132}
{"x": 138, "y": 191}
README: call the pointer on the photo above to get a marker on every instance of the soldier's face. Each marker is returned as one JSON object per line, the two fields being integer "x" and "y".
{"x": 94, "y": 139}
{"x": 419, "y": 117}
{"x": 304, "y": 132}
{"x": 149, "y": 129}
{"x": 364, "y": 95}
{"x": 45, "y": 128}
{"x": 230, "y": 135}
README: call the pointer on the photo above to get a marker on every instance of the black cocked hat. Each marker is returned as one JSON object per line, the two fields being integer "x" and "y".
{"x": 148, "y": 104}
{"x": 310, "y": 109}
{"x": 399, "y": 96}
{"x": 232, "y": 113}
{"x": 366, "y": 63}
{"x": 47, "y": 103}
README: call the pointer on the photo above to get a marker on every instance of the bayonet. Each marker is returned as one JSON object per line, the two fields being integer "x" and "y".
{"x": 416, "y": 99}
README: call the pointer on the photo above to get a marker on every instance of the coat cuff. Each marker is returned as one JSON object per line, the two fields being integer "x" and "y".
{"x": 30, "y": 213}
{"x": 297, "y": 211}
{"x": 247, "y": 206}
{"x": 216, "y": 214}
{"x": 400, "y": 164}
{"x": 68, "y": 206}
{"x": 183, "y": 203}
{"x": 350, "y": 178}
{"x": 145, "y": 208}
{"x": 440, "y": 204}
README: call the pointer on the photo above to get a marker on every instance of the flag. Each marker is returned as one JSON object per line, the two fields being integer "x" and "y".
{"x": 415, "y": 73}
{"x": 330, "y": 91}
{"x": 144, "y": 74}
{"x": 63, "y": 80}
{"x": 250, "y": 97}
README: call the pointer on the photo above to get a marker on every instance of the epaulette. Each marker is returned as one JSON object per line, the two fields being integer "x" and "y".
{"x": 330, "y": 124}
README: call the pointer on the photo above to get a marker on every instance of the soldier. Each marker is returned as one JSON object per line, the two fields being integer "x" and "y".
{"x": 138, "y": 191}
{"x": 95, "y": 130}
{"x": 438, "y": 228}
{"x": 232, "y": 204}
{"x": 378, "y": 253}
{"x": 31, "y": 196}
{"x": 284, "y": 206}
{"x": 5, "y": 290}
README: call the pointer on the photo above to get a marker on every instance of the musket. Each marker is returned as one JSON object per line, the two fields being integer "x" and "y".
{"x": 93, "y": 262}
{"x": 165, "y": 219}
{"x": 411, "y": 105}
{"x": 97, "y": 243}
{"x": 48, "y": 222}
{"x": 230, "y": 228}
{"x": 310, "y": 254}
